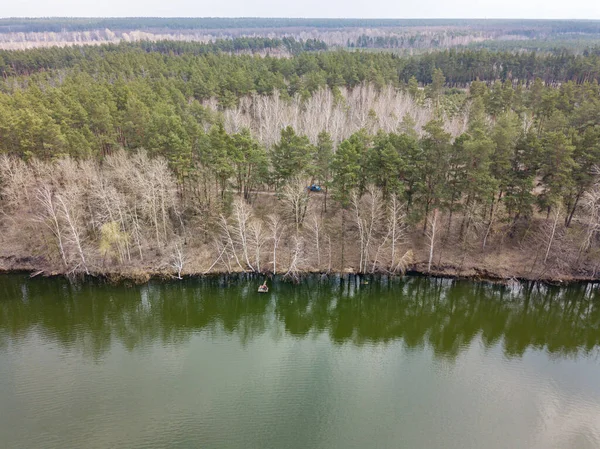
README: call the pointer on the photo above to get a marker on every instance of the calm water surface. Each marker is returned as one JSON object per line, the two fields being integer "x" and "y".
{"x": 411, "y": 363}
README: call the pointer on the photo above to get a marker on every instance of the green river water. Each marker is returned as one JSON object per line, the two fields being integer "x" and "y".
{"x": 330, "y": 363}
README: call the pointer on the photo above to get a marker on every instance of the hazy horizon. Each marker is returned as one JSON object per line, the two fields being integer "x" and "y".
{"x": 309, "y": 9}
{"x": 574, "y": 19}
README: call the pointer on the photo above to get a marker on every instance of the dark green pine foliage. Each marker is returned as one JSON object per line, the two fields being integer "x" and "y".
{"x": 250, "y": 162}
{"x": 348, "y": 166}
{"x": 322, "y": 158}
{"x": 434, "y": 170}
{"x": 291, "y": 156}
{"x": 220, "y": 155}
{"x": 525, "y": 162}
{"x": 555, "y": 169}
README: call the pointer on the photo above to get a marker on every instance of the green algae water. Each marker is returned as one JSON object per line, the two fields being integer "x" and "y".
{"x": 329, "y": 363}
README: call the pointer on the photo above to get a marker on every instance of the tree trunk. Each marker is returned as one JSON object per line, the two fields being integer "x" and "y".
{"x": 492, "y": 213}
{"x": 556, "y": 216}
{"x": 426, "y": 216}
{"x": 432, "y": 238}
{"x": 343, "y": 237}
{"x": 570, "y": 216}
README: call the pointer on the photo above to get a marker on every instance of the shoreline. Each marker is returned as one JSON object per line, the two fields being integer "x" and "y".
{"x": 142, "y": 276}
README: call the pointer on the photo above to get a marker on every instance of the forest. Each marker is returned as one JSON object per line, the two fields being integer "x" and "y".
{"x": 185, "y": 158}
{"x": 404, "y": 36}
{"x": 178, "y": 23}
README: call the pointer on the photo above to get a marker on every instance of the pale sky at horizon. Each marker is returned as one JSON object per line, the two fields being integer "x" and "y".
{"x": 517, "y": 9}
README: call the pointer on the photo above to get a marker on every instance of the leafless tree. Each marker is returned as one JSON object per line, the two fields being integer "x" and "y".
{"x": 241, "y": 220}
{"x": 276, "y": 231}
{"x": 222, "y": 256}
{"x": 295, "y": 196}
{"x": 15, "y": 181}
{"x": 394, "y": 235}
{"x": 552, "y": 233}
{"x": 48, "y": 215}
{"x": 328, "y": 254}
{"x": 365, "y": 105}
{"x": 396, "y": 229}
{"x": 406, "y": 38}
{"x": 257, "y": 239}
{"x": 69, "y": 207}
{"x": 316, "y": 225}
{"x": 91, "y": 209}
{"x": 294, "y": 268}
{"x": 228, "y": 244}
{"x": 404, "y": 262}
{"x": 178, "y": 260}
{"x": 368, "y": 214}
{"x": 431, "y": 235}
{"x": 152, "y": 185}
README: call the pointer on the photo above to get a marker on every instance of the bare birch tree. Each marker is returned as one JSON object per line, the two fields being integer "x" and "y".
{"x": 241, "y": 220}
{"x": 69, "y": 207}
{"x": 178, "y": 260}
{"x": 228, "y": 244}
{"x": 222, "y": 256}
{"x": 294, "y": 269}
{"x": 15, "y": 180}
{"x": 368, "y": 214}
{"x": 394, "y": 236}
{"x": 362, "y": 106}
{"x": 295, "y": 196}
{"x": 257, "y": 240}
{"x": 316, "y": 225}
{"x": 552, "y": 234}
{"x": 396, "y": 230}
{"x": 431, "y": 235}
{"x": 48, "y": 215}
{"x": 276, "y": 231}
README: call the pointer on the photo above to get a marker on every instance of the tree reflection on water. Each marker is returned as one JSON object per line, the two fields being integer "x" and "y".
{"x": 442, "y": 314}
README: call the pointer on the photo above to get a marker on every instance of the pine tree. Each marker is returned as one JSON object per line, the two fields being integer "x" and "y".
{"x": 291, "y": 156}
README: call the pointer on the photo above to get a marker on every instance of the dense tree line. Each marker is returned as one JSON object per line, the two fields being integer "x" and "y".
{"x": 576, "y": 43}
{"x": 512, "y": 131}
{"x": 30, "y": 61}
{"x": 472, "y": 39}
{"x": 130, "y": 149}
{"x": 522, "y": 152}
{"x": 180, "y": 60}
{"x": 414, "y": 40}
{"x": 238, "y": 44}
{"x": 464, "y": 66}
{"x": 57, "y": 24}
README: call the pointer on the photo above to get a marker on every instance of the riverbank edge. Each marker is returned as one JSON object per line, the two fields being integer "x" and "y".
{"x": 142, "y": 276}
